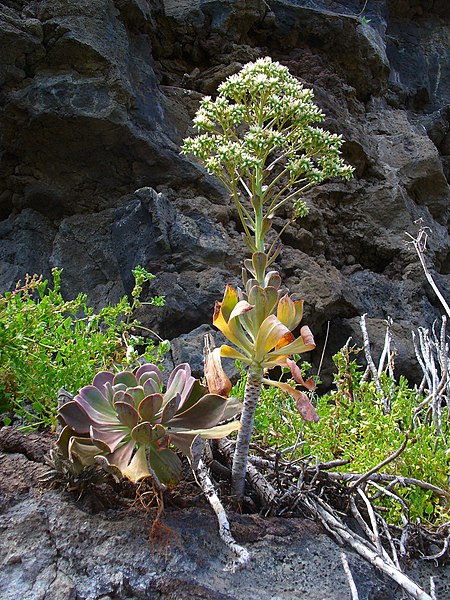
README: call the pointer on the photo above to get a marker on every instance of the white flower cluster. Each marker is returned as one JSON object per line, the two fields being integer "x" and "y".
{"x": 258, "y": 139}
{"x": 264, "y": 121}
{"x": 218, "y": 154}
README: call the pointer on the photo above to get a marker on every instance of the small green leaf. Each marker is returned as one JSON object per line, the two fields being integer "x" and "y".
{"x": 126, "y": 378}
{"x": 166, "y": 465}
{"x": 149, "y": 406}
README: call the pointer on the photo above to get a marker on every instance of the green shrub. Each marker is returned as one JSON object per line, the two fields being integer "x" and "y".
{"x": 47, "y": 343}
{"x": 353, "y": 426}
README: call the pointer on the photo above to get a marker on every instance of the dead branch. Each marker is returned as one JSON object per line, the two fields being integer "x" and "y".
{"x": 382, "y": 477}
{"x": 374, "y": 535}
{"x": 432, "y": 355}
{"x": 351, "y": 581}
{"x": 387, "y": 492}
{"x": 371, "y": 365}
{"x": 335, "y": 525}
{"x": 386, "y": 354}
{"x": 442, "y": 552}
{"x": 420, "y": 244}
{"x": 265, "y": 491}
{"x": 243, "y": 556}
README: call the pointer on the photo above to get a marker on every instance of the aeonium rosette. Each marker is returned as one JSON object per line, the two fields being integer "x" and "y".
{"x": 126, "y": 422}
{"x": 260, "y": 322}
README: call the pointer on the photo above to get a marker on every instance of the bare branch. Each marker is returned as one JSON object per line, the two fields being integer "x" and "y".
{"x": 337, "y": 527}
{"x": 371, "y": 365}
{"x": 243, "y": 556}
{"x": 420, "y": 243}
{"x": 351, "y": 581}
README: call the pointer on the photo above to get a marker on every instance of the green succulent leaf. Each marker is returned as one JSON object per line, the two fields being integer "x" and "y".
{"x": 214, "y": 433}
{"x": 231, "y": 328}
{"x": 170, "y": 408}
{"x": 151, "y": 385}
{"x": 95, "y": 403}
{"x": 166, "y": 466}
{"x": 121, "y": 456}
{"x": 248, "y": 264}
{"x": 304, "y": 343}
{"x": 272, "y": 333}
{"x": 127, "y": 414}
{"x": 101, "y": 379}
{"x": 146, "y": 434}
{"x": 230, "y": 299}
{"x": 241, "y": 308}
{"x": 122, "y": 396}
{"x": 183, "y": 442}
{"x": 264, "y": 300}
{"x": 144, "y": 371}
{"x": 137, "y": 469}
{"x": 290, "y": 312}
{"x": 107, "y": 439}
{"x": 266, "y": 225}
{"x": 198, "y": 390}
{"x": 84, "y": 450}
{"x": 207, "y": 412}
{"x": 251, "y": 283}
{"x": 108, "y": 467}
{"x": 127, "y": 378}
{"x": 259, "y": 262}
{"x": 244, "y": 276}
{"x": 149, "y": 406}
{"x": 63, "y": 440}
{"x": 180, "y": 382}
{"x": 137, "y": 393}
{"x": 74, "y": 415}
{"x": 229, "y": 352}
{"x": 272, "y": 279}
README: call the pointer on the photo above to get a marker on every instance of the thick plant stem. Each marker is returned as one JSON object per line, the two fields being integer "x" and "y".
{"x": 251, "y": 396}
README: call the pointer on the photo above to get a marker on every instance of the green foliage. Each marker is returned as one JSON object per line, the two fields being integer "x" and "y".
{"x": 125, "y": 422}
{"x": 353, "y": 426}
{"x": 47, "y": 342}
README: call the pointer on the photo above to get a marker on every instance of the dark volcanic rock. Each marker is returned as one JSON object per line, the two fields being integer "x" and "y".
{"x": 95, "y": 100}
{"x": 55, "y": 546}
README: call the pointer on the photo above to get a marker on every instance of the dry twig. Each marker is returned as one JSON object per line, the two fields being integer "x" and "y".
{"x": 380, "y": 465}
{"x": 351, "y": 581}
{"x": 372, "y": 367}
{"x": 242, "y": 554}
{"x": 335, "y": 525}
{"x": 420, "y": 245}
{"x": 265, "y": 491}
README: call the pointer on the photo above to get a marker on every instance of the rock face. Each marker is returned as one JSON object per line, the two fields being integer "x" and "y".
{"x": 54, "y": 546}
{"x": 97, "y": 95}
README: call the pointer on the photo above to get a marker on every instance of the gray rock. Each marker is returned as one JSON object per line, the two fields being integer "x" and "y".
{"x": 53, "y": 546}
{"x": 188, "y": 347}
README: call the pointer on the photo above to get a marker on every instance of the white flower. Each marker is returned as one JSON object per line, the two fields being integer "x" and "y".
{"x": 263, "y": 121}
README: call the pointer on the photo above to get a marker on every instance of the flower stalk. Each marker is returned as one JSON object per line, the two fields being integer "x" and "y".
{"x": 259, "y": 138}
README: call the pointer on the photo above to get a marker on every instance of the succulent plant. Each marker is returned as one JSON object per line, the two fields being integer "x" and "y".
{"x": 126, "y": 422}
{"x": 260, "y": 321}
